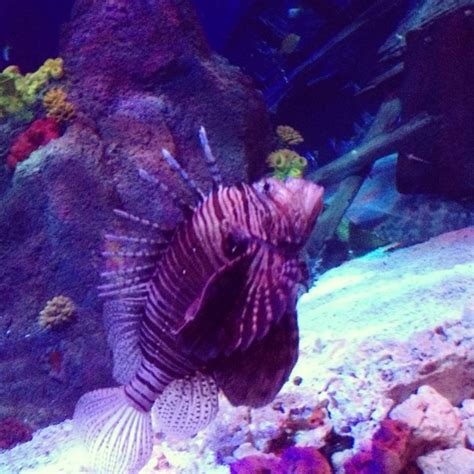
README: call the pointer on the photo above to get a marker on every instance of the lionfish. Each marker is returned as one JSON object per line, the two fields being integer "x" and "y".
{"x": 209, "y": 306}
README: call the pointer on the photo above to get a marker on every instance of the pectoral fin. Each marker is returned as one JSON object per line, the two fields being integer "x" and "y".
{"x": 202, "y": 331}
{"x": 240, "y": 303}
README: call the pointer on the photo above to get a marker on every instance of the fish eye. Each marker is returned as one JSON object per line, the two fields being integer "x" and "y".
{"x": 266, "y": 187}
{"x": 234, "y": 246}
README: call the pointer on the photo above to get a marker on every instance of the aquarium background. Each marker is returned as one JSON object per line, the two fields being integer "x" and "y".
{"x": 374, "y": 100}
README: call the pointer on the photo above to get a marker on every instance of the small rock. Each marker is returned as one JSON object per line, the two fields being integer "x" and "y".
{"x": 467, "y": 416}
{"x": 244, "y": 450}
{"x": 458, "y": 460}
{"x": 432, "y": 418}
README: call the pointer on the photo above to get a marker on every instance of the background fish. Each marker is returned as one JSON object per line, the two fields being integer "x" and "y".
{"x": 289, "y": 43}
{"x": 209, "y": 306}
{"x": 6, "y": 53}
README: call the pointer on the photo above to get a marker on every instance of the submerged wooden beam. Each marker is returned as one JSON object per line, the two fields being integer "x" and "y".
{"x": 352, "y": 169}
{"x": 303, "y": 73}
{"x": 416, "y": 19}
{"x": 331, "y": 217}
{"x": 363, "y": 156}
{"x": 390, "y": 76}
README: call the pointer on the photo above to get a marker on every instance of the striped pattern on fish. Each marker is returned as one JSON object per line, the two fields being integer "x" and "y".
{"x": 212, "y": 309}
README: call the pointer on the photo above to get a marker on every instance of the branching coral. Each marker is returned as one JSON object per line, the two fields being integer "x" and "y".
{"x": 57, "y": 106}
{"x": 289, "y": 135}
{"x": 57, "y": 312}
{"x": 286, "y": 163}
{"x": 39, "y": 133}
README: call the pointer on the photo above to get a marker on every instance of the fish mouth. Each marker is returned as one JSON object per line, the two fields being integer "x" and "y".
{"x": 308, "y": 196}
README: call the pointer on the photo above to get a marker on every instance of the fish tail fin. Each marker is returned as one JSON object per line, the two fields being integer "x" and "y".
{"x": 186, "y": 406}
{"x": 117, "y": 436}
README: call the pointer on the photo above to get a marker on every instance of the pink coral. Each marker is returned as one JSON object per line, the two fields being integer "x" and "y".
{"x": 13, "y": 432}
{"x": 39, "y": 133}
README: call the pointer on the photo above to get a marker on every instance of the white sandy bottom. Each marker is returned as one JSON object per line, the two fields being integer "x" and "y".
{"x": 369, "y": 330}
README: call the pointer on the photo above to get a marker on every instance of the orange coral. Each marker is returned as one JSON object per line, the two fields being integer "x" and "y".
{"x": 289, "y": 135}
{"x": 57, "y": 106}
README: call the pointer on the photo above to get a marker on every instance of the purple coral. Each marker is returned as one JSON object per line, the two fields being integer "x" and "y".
{"x": 386, "y": 453}
{"x": 304, "y": 461}
{"x": 257, "y": 464}
{"x": 294, "y": 460}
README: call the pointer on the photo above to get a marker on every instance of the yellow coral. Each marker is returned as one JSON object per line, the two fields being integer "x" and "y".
{"x": 289, "y": 135}
{"x": 282, "y": 158}
{"x": 10, "y": 105}
{"x": 26, "y": 87}
{"x": 11, "y": 70}
{"x": 57, "y": 312}
{"x": 286, "y": 163}
{"x": 54, "y": 68}
{"x": 57, "y": 106}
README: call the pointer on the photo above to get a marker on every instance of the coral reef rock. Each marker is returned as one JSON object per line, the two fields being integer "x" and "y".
{"x": 394, "y": 217}
{"x": 141, "y": 77}
{"x": 374, "y": 332}
{"x": 13, "y": 432}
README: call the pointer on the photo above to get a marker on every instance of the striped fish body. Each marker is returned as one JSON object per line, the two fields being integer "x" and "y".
{"x": 224, "y": 292}
{"x": 215, "y": 309}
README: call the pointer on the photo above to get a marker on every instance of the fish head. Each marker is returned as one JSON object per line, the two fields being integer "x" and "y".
{"x": 294, "y": 205}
